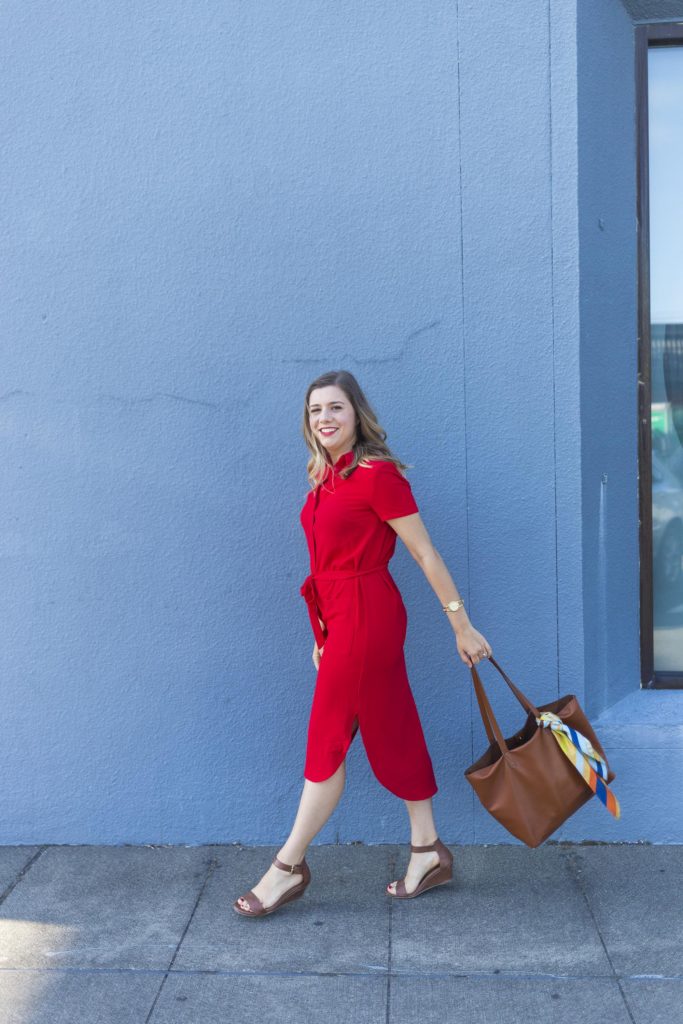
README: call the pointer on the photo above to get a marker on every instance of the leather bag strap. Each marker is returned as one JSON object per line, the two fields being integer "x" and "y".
{"x": 489, "y": 719}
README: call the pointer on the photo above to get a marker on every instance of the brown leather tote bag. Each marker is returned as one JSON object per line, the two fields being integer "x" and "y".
{"x": 527, "y": 781}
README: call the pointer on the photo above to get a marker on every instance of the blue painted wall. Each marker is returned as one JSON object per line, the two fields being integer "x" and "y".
{"x": 609, "y": 351}
{"x": 209, "y": 205}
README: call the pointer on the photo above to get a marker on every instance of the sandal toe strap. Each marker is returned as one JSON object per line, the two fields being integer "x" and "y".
{"x": 254, "y": 903}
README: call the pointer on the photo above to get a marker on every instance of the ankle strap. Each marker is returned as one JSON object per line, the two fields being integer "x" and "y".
{"x": 287, "y": 867}
{"x": 424, "y": 849}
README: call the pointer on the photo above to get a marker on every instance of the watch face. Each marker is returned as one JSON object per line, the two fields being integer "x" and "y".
{"x": 453, "y": 605}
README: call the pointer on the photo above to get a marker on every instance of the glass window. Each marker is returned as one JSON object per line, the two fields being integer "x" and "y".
{"x": 665, "y": 131}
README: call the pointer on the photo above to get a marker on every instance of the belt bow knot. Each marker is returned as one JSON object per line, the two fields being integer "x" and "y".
{"x": 309, "y": 594}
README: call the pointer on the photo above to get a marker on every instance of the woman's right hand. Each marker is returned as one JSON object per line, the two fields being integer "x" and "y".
{"x": 317, "y": 654}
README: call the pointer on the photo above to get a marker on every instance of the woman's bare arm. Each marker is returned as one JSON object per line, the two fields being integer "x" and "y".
{"x": 413, "y": 533}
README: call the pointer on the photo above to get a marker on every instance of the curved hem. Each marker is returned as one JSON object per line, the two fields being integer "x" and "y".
{"x": 394, "y": 792}
{"x": 401, "y": 795}
{"x": 344, "y": 751}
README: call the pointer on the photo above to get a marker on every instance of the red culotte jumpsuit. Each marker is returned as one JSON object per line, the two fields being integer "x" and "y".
{"x": 362, "y": 679}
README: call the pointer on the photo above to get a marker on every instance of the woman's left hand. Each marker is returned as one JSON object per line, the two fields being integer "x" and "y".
{"x": 472, "y": 645}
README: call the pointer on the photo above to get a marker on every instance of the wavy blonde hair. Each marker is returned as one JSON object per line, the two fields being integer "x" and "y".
{"x": 370, "y": 436}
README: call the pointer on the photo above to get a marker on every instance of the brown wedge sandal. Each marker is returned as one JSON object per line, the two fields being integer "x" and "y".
{"x": 256, "y": 908}
{"x": 438, "y": 875}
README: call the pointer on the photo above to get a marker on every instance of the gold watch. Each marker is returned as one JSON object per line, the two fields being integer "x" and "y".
{"x": 453, "y": 606}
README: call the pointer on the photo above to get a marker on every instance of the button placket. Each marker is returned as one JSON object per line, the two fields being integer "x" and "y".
{"x": 316, "y": 499}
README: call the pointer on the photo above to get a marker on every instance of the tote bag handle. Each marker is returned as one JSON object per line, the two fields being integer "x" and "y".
{"x": 489, "y": 719}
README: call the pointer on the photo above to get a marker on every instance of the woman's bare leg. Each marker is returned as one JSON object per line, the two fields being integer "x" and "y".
{"x": 422, "y": 833}
{"x": 318, "y": 800}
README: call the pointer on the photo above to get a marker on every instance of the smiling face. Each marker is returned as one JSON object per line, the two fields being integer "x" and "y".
{"x": 332, "y": 419}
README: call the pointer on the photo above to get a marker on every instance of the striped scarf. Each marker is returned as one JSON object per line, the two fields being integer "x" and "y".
{"x": 584, "y": 757}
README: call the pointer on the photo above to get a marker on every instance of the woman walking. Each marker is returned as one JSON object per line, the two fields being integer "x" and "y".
{"x": 359, "y": 502}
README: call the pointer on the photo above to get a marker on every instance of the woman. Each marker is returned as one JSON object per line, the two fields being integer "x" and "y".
{"x": 359, "y": 502}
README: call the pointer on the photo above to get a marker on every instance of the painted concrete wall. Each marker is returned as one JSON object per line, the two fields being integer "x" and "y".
{"x": 641, "y": 729}
{"x": 208, "y": 206}
{"x": 609, "y": 351}
{"x": 642, "y": 11}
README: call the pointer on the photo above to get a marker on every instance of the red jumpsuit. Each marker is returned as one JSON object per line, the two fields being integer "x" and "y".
{"x": 362, "y": 679}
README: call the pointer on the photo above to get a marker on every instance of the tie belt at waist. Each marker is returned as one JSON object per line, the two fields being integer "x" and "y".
{"x": 308, "y": 592}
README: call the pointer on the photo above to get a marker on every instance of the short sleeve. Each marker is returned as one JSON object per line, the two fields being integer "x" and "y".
{"x": 390, "y": 493}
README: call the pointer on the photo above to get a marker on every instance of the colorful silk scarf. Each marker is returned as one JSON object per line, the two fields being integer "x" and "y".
{"x": 584, "y": 757}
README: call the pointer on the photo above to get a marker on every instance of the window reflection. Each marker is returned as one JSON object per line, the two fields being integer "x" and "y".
{"x": 665, "y": 116}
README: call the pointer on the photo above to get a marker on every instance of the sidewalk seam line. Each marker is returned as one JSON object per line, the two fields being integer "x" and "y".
{"x": 213, "y": 863}
{"x": 27, "y": 866}
{"x": 575, "y": 870}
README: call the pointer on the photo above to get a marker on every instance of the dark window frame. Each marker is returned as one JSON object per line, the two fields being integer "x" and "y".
{"x": 646, "y": 36}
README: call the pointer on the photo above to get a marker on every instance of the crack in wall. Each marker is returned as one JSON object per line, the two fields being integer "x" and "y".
{"x": 347, "y": 357}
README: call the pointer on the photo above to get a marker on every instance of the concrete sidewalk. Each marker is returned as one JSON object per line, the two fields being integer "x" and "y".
{"x": 560, "y": 934}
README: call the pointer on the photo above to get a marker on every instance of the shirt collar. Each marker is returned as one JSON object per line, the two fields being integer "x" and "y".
{"x": 343, "y": 460}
